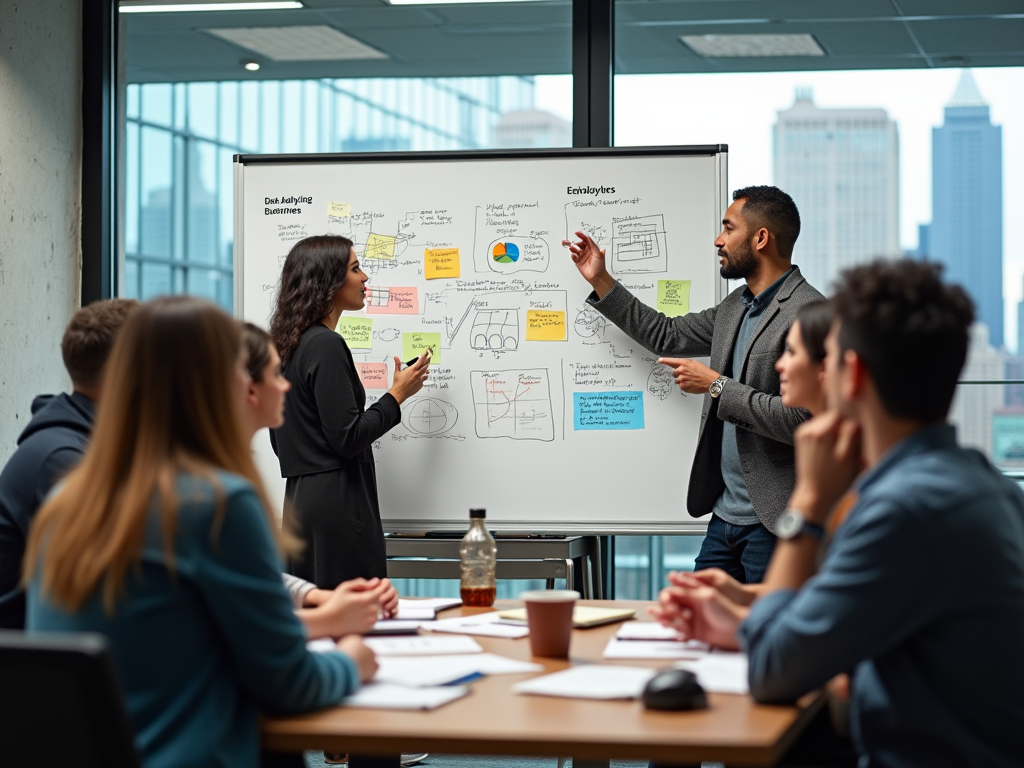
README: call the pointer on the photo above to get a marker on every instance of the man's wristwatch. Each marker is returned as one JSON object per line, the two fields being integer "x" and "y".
{"x": 793, "y": 523}
{"x": 717, "y": 386}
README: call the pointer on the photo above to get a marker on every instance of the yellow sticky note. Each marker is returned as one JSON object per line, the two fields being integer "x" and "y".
{"x": 339, "y": 210}
{"x": 674, "y": 297}
{"x": 545, "y": 325}
{"x": 440, "y": 262}
{"x": 356, "y": 331}
{"x": 415, "y": 344}
{"x": 379, "y": 246}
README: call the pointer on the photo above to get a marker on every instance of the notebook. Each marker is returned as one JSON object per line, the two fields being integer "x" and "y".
{"x": 582, "y": 615}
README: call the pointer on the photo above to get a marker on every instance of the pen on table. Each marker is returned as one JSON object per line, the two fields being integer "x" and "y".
{"x": 413, "y": 361}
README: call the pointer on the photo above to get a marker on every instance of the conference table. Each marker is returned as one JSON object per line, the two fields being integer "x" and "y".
{"x": 492, "y": 720}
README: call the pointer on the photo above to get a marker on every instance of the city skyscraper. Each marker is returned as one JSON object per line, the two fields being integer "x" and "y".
{"x": 966, "y": 233}
{"x": 841, "y": 167}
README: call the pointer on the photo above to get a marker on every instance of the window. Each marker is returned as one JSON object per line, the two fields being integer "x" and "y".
{"x": 894, "y": 137}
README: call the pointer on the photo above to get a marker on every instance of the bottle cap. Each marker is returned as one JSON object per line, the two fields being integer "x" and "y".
{"x": 477, "y": 513}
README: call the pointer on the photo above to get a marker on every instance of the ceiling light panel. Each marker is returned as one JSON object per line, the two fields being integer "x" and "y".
{"x": 453, "y": 2}
{"x": 752, "y": 46}
{"x": 298, "y": 43}
{"x": 238, "y": 5}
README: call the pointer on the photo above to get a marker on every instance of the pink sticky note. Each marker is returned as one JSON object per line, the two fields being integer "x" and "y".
{"x": 373, "y": 375}
{"x": 396, "y": 300}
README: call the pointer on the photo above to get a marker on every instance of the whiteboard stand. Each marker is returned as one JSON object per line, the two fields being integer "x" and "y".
{"x": 569, "y": 558}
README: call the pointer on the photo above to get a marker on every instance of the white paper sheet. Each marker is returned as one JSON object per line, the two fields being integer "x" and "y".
{"x": 415, "y": 614}
{"x": 388, "y": 696}
{"x": 645, "y": 630}
{"x": 437, "y": 603}
{"x": 492, "y": 664}
{"x": 720, "y": 672}
{"x": 654, "y": 649}
{"x": 420, "y": 671}
{"x": 590, "y": 681}
{"x": 422, "y": 646}
{"x": 483, "y": 624}
{"x": 424, "y": 671}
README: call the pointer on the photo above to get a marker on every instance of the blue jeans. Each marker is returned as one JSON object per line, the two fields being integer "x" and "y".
{"x": 742, "y": 551}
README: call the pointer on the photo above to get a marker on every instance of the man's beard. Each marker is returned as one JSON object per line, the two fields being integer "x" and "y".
{"x": 739, "y": 265}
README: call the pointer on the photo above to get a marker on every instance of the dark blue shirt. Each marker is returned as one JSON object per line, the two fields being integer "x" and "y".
{"x": 734, "y": 505}
{"x": 202, "y": 649}
{"x": 921, "y": 598}
{"x": 51, "y": 445}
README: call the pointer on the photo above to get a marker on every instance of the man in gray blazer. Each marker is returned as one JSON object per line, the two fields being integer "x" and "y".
{"x": 743, "y": 471}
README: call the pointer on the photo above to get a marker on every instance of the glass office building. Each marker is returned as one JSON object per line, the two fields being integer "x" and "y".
{"x": 180, "y": 139}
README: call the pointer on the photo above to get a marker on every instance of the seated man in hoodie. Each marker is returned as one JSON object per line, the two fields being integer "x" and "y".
{"x": 53, "y": 442}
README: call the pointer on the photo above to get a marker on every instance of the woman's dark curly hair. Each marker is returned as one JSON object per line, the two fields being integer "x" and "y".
{"x": 313, "y": 272}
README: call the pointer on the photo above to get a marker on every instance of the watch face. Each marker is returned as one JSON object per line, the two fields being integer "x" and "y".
{"x": 788, "y": 525}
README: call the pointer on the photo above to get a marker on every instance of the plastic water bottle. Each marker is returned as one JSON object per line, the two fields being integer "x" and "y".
{"x": 479, "y": 556}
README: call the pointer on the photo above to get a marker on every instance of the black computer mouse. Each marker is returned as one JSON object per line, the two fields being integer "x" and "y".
{"x": 674, "y": 690}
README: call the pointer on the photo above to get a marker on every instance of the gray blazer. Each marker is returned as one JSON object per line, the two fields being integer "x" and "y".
{"x": 750, "y": 400}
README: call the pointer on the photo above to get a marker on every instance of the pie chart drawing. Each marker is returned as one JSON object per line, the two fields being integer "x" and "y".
{"x": 428, "y": 416}
{"x": 505, "y": 253}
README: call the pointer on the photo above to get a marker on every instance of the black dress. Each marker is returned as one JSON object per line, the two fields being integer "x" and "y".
{"x": 325, "y": 449}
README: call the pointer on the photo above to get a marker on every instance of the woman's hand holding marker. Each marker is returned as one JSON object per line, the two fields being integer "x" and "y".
{"x": 408, "y": 381}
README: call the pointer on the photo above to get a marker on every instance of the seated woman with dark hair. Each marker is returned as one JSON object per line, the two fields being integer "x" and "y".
{"x": 352, "y": 606}
{"x": 725, "y": 601}
{"x": 163, "y": 541}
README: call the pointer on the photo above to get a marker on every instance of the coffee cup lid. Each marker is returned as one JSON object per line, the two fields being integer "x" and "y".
{"x": 549, "y": 595}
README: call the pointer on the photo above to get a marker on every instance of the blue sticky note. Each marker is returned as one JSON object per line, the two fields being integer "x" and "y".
{"x": 608, "y": 410}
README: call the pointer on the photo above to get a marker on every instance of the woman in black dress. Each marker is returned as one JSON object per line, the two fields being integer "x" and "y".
{"x": 325, "y": 444}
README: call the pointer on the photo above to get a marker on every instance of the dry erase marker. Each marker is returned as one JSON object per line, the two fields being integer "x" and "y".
{"x": 413, "y": 361}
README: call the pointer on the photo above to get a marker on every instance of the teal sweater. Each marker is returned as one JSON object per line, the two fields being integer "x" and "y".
{"x": 201, "y": 651}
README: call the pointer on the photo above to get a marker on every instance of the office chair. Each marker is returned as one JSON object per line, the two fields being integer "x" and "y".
{"x": 60, "y": 703}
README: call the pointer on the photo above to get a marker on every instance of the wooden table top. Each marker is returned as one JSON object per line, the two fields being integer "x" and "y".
{"x": 493, "y": 720}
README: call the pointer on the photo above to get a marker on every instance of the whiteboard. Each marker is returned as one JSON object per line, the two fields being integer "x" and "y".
{"x": 537, "y": 408}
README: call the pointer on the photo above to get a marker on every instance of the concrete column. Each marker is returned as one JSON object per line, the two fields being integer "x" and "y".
{"x": 40, "y": 210}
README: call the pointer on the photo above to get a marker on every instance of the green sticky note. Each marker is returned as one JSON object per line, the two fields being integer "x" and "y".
{"x": 674, "y": 297}
{"x": 415, "y": 344}
{"x": 356, "y": 331}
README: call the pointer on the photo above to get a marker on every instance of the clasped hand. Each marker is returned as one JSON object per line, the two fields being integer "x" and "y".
{"x": 828, "y": 460}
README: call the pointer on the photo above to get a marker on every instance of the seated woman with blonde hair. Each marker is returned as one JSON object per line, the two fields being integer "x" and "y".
{"x": 163, "y": 541}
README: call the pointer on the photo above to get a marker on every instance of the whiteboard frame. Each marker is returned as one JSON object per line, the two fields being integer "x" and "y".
{"x": 692, "y": 526}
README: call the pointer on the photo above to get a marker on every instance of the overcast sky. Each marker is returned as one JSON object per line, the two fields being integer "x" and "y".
{"x": 740, "y": 110}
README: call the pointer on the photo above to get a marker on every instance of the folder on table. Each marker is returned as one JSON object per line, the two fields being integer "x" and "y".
{"x": 583, "y": 616}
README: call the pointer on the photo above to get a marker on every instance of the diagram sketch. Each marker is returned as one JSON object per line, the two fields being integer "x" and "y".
{"x": 495, "y": 329}
{"x": 590, "y": 323}
{"x": 661, "y": 382}
{"x": 513, "y": 403}
{"x": 429, "y": 417}
{"x": 379, "y": 297}
{"x": 639, "y": 245}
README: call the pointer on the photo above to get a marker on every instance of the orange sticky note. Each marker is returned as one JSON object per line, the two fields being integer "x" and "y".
{"x": 440, "y": 262}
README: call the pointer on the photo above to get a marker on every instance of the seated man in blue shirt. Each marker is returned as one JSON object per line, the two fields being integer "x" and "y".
{"x": 934, "y": 650}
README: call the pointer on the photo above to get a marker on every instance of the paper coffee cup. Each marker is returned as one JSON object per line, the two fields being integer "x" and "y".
{"x": 549, "y": 617}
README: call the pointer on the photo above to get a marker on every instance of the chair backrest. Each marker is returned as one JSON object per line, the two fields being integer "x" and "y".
{"x": 61, "y": 704}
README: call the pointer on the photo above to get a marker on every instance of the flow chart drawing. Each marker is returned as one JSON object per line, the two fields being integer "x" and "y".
{"x": 514, "y": 404}
{"x": 429, "y": 417}
{"x": 495, "y": 329}
{"x": 639, "y": 245}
